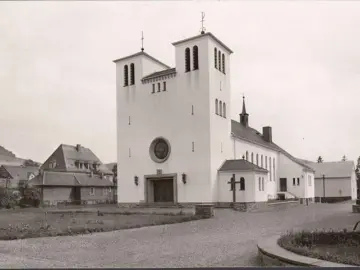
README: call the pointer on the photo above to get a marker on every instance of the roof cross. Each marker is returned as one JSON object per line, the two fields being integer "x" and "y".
{"x": 203, "y": 29}
{"x": 142, "y": 41}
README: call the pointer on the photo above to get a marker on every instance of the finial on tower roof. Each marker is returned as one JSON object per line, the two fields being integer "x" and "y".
{"x": 203, "y": 29}
{"x": 244, "y": 108}
{"x": 142, "y": 41}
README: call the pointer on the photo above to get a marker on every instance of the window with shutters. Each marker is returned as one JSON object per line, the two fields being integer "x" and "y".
{"x": 215, "y": 57}
{"x": 195, "y": 58}
{"x": 126, "y": 74}
{"x": 187, "y": 60}
{"x": 132, "y": 74}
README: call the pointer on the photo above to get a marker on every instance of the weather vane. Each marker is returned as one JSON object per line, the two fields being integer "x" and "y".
{"x": 203, "y": 29}
{"x": 142, "y": 41}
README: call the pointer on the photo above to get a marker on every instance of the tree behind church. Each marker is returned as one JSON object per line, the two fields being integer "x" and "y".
{"x": 114, "y": 170}
{"x": 320, "y": 159}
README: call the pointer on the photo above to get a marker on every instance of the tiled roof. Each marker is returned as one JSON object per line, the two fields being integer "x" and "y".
{"x": 141, "y": 53}
{"x": 202, "y": 35}
{"x": 335, "y": 169}
{"x": 240, "y": 165}
{"x": 160, "y": 73}
{"x": 49, "y": 178}
{"x": 254, "y": 136}
{"x": 20, "y": 172}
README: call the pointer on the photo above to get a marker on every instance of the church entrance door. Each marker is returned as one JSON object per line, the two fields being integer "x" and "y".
{"x": 163, "y": 190}
{"x": 283, "y": 184}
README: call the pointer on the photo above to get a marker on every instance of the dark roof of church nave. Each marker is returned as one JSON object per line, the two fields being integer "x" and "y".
{"x": 240, "y": 165}
{"x": 254, "y": 136}
{"x": 159, "y": 73}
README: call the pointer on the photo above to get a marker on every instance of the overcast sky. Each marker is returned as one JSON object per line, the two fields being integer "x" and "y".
{"x": 298, "y": 64}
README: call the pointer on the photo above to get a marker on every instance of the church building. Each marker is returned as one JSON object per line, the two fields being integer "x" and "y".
{"x": 176, "y": 141}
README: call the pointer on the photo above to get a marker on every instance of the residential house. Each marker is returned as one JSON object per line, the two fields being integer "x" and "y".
{"x": 74, "y": 175}
{"x": 16, "y": 176}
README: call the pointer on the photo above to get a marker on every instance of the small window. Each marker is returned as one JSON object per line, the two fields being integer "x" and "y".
{"x": 252, "y": 157}
{"x": 216, "y": 107}
{"x": 223, "y": 63}
{"x": 153, "y": 88}
{"x": 192, "y": 109}
{"x": 263, "y": 184}
{"x": 94, "y": 166}
{"x": 187, "y": 60}
{"x": 270, "y": 168}
{"x": 219, "y": 54}
{"x": 294, "y": 182}
{"x": 77, "y": 164}
{"x": 92, "y": 191}
{"x": 298, "y": 181}
{"x": 129, "y": 152}
{"x": 193, "y": 146}
{"x": 132, "y": 74}
{"x": 195, "y": 58}
{"x": 215, "y": 57}
{"x": 262, "y": 165}
{"x": 159, "y": 87}
{"x": 224, "y": 110}
{"x": 164, "y": 86}
{"x": 247, "y": 155}
{"x": 129, "y": 120}
{"x": 81, "y": 165}
{"x": 126, "y": 74}
{"x": 257, "y": 159}
{"x": 242, "y": 183}
{"x": 105, "y": 191}
{"x": 220, "y": 108}
{"x": 86, "y": 165}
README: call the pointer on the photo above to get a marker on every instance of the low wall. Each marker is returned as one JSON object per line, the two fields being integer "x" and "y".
{"x": 332, "y": 199}
{"x": 257, "y": 206}
{"x": 271, "y": 254}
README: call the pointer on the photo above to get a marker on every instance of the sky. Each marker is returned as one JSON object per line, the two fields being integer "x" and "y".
{"x": 296, "y": 62}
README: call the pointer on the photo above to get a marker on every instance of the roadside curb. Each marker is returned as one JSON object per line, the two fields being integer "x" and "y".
{"x": 271, "y": 254}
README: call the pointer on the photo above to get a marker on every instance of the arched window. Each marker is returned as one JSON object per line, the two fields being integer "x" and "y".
{"x": 195, "y": 58}
{"x": 247, "y": 155}
{"x": 242, "y": 183}
{"x": 223, "y": 63}
{"x": 219, "y": 60}
{"x": 224, "y": 110}
{"x": 126, "y": 78}
{"x": 215, "y": 57}
{"x": 262, "y": 164}
{"x": 257, "y": 159}
{"x": 259, "y": 183}
{"x": 220, "y": 108}
{"x": 252, "y": 157}
{"x": 216, "y": 106}
{"x": 132, "y": 74}
{"x": 187, "y": 60}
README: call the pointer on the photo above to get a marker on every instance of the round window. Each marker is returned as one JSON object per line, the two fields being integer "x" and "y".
{"x": 159, "y": 150}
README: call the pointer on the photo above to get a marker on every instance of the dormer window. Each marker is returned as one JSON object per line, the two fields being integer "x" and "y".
{"x": 86, "y": 165}
{"x": 77, "y": 164}
{"x": 81, "y": 165}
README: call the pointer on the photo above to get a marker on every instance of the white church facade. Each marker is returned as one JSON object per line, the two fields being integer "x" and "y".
{"x": 177, "y": 144}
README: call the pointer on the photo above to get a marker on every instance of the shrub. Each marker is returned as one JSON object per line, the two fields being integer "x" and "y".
{"x": 9, "y": 198}
{"x": 31, "y": 197}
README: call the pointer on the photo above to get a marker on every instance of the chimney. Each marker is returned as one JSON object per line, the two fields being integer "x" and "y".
{"x": 78, "y": 147}
{"x": 267, "y": 134}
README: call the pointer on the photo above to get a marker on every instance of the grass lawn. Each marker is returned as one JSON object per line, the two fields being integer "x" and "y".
{"x": 27, "y": 224}
{"x": 339, "y": 247}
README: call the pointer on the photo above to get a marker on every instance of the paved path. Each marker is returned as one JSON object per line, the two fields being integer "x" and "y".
{"x": 229, "y": 239}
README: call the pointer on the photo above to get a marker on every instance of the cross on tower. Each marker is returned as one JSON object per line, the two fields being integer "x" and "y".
{"x": 202, "y": 23}
{"x": 233, "y": 183}
{"x": 142, "y": 41}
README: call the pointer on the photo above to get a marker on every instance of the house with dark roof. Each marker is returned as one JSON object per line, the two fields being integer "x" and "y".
{"x": 178, "y": 144}
{"x": 334, "y": 181}
{"x": 16, "y": 176}
{"x": 74, "y": 175}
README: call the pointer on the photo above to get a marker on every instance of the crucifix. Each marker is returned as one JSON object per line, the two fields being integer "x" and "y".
{"x": 233, "y": 186}
{"x": 142, "y": 41}
{"x": 202, "y": 23}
